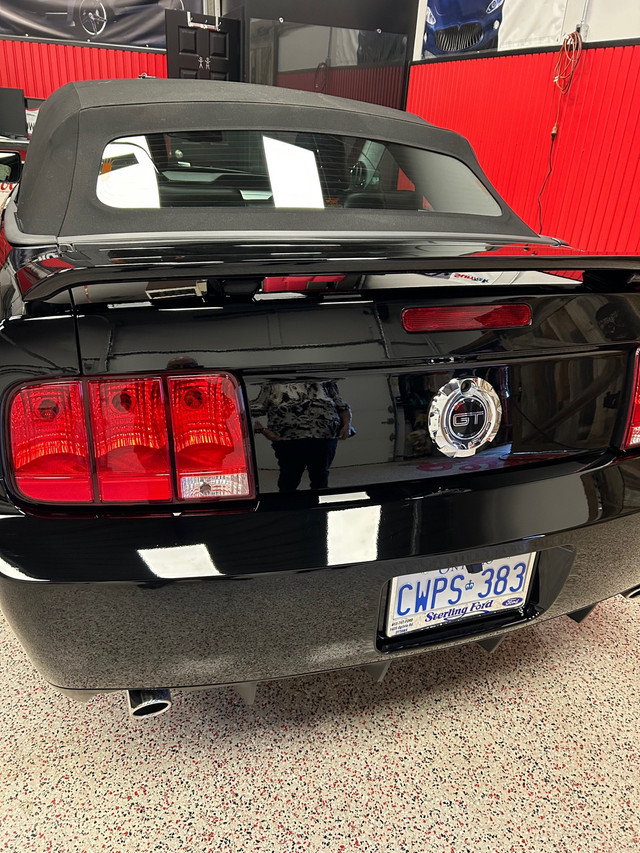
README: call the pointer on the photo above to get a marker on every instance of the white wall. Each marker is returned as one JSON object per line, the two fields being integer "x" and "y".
{"x": 613, "y": 19}
{"x": 527, "y": 24}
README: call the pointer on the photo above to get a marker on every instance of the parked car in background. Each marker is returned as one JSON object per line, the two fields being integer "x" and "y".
{"x": 287, "y": 387}
{"x": 460, "y": 26}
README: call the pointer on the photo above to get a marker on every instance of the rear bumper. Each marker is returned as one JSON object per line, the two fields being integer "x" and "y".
{"x": 112, "y": 603}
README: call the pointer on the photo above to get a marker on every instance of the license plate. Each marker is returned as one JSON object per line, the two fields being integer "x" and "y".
{"x": 431, "y": 599}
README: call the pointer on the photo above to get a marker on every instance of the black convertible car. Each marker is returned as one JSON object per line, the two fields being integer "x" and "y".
{"x": 286, "y": 387}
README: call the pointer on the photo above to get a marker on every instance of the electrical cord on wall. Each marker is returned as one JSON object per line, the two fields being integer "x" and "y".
{"x": 565, "y": 68}
{"x": 547, "y": 176}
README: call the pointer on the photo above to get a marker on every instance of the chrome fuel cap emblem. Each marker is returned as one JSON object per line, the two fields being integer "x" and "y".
{"x": 464, "y": 415}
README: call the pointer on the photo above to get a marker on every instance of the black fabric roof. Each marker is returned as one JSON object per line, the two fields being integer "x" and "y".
{"x": 57, "y": 194}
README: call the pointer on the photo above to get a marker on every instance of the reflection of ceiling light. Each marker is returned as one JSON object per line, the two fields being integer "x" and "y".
{"x": 352, "y": 535}
{"x": 183, "y": 561}
{"x": 14, "y": 572}
{"x": 10, "y": 571}
{"x": 343, "y": 497}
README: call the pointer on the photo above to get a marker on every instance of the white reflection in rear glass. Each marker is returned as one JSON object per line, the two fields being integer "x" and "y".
{"x": 127, "y": 175}
{"x": 293, "y": 173}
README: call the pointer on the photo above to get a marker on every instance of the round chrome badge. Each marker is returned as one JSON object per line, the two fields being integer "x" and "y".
{"x": 465, "y": 414}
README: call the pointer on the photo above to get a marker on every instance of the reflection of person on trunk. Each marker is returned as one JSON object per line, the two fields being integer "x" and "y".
{"x": 305, "y": 422}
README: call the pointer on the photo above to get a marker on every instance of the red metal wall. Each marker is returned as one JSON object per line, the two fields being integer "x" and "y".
{"x": 506, "y": 106}
{"x": 39, "y": 68}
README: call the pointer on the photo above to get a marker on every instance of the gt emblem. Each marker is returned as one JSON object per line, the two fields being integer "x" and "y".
{"x": 465, "y": 420}
{"x": 464, "y": 415}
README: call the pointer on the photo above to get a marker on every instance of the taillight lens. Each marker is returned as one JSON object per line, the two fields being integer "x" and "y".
{"x": 462, "y": 318}
{"x": 49, "y": 446}
{"x": 130, "y": 440}
{"x": 146, "y": 434}
{"x": 632, "y": 434}
{"x": 209, "y": 437}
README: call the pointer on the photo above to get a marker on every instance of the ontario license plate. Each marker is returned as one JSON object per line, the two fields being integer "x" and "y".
{"x": 431, "y": 599}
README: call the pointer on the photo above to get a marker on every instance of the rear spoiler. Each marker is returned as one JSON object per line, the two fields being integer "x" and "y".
{"x": 47, "y": 270}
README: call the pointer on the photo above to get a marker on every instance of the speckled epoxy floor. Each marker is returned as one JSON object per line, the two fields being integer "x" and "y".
{"x": 535, "y": 748}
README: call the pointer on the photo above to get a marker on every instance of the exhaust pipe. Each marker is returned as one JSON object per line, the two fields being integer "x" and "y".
{"x": 148, "y": 703}
{"x": 634, "y": 592}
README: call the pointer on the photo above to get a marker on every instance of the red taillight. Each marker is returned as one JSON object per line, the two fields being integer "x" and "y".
{"x": 462, "y": 318}
{"x": 49, "y": 447}
{"x": 632, "y": 434}
{"x": 144, "y": 432}
{"x": 209, "y": 437}
{"x": 130, "y": 440}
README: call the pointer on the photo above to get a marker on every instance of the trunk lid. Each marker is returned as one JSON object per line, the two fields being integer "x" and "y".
{"x": 560, "y": 384}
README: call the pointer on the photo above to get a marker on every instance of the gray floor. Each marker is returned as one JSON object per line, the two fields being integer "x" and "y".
{"x": 535, "y": 748}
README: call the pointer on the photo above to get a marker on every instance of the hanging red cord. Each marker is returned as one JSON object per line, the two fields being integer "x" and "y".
{"x": 567, "y": 63}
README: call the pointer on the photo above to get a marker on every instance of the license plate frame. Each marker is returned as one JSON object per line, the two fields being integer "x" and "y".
{"x": 416, "y": 602}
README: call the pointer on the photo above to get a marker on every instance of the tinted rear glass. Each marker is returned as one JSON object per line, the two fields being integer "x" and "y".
{"x": 285, "y": 170}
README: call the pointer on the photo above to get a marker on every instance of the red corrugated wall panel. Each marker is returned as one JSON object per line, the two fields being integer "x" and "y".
{"x": 39, "y": 67}
{"x": 382, "y": 86}
{"x": 506, "y": 106}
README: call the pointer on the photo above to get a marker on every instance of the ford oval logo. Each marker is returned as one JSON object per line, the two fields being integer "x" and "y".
{"x": 511, "y": 602}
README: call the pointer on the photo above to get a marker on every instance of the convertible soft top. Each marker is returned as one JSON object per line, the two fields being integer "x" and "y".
{"x": 57, "y": 197}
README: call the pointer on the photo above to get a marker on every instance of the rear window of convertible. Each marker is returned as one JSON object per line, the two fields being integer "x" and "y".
{"x": 285, "y": 169}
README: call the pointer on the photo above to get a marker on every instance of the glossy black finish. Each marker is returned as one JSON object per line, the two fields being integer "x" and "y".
{"x": 295, "y": 583}
{"x": 301, "y": 532}
{"x": 47, "y": 269}
{"x": 150, "y": 596}
{"x": 100, "y": 636}
{"x": 561, "y": 387}
{"x": 564, "y": 383}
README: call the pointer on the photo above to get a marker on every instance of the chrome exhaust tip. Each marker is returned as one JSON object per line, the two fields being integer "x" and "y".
{"x": 634, "y": 592}
{"x": 148, "y": 703}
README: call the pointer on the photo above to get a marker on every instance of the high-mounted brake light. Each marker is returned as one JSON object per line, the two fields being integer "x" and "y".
{"x": 463, "y": 318}
{"x": 148, "y": 439}
{"x": 632, "y": 433}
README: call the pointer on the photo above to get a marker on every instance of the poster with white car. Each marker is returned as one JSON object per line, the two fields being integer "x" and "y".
{"x": 121, "y": 22}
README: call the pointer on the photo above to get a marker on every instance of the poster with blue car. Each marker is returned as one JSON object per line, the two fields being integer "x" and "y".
{"x": 461, "y": 26}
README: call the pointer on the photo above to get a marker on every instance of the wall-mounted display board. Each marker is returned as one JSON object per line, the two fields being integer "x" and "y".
{"x": 357, "y": 49}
